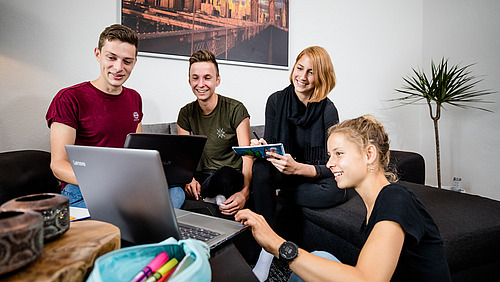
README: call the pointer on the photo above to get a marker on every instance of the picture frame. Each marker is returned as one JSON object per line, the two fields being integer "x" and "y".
{"x": 242, "y": 32}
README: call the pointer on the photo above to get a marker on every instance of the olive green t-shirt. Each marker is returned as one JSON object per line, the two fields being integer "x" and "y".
{"x": 220, "y": 128}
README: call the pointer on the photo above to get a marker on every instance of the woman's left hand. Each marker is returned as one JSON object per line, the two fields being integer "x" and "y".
{"x": 284, "y": 164}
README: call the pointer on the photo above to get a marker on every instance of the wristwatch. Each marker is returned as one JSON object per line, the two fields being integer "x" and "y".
{"x": 288, "y": 251}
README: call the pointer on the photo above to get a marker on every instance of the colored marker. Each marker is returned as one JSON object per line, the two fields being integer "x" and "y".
{"x": 151, "y": 268}
{"x": 163, "y": 271}
{"x": 167, "y": 276}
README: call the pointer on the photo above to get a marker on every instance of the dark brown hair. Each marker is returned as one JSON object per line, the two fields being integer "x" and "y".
{"x": 120, "y": 32}
{"x": 204, "y": 56}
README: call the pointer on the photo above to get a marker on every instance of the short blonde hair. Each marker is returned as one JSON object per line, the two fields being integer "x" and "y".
{"x": 366, "y": 130}
{"x": 323, "y": 72}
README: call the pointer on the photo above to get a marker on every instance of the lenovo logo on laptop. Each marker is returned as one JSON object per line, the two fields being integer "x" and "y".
{"x": 79, "y": 163}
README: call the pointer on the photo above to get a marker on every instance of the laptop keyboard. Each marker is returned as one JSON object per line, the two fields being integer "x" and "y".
{"x": 192, "y": 232}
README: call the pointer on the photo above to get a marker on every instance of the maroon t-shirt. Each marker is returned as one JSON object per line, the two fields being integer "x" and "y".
{"x": 100, "y": 119}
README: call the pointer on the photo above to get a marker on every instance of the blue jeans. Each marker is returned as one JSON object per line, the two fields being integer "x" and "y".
{"x": 177, "y": 196}
{"x": 74, "y": 195}
{"x": 295, "y": 278}
{"x": 76, "y": 199}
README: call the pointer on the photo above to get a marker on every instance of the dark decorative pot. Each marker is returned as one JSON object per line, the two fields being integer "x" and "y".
{"x": 54, "y": 209}
{"x": 21, "y": 239}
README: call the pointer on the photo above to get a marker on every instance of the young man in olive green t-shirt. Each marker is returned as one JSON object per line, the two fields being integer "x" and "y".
{"x": 226, "y": 123}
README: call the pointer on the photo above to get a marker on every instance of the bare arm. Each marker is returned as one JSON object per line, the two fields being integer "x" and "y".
{"x": 60, "y": 135}
{"x": 238, "y": 200}
{"x": 182, "y": 131}
{"x": 377, "y": 261}
{"x": 139, "y": 128}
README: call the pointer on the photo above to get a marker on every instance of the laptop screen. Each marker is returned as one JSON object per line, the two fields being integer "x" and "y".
{"x": 180, "y": 154}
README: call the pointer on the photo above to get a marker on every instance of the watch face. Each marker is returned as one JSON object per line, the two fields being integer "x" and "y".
{"x": 288, "y": 251}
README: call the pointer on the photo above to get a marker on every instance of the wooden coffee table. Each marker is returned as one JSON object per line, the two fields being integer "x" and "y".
{"x": 71, "y": 256}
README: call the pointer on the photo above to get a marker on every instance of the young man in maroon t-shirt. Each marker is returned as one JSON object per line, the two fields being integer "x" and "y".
{"x": 96, "y": 113}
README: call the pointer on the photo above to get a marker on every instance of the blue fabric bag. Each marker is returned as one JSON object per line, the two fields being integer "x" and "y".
{"x": 124, "y": 264}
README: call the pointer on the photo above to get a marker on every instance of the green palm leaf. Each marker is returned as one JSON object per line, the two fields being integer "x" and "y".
{"x": 452, "y": 85}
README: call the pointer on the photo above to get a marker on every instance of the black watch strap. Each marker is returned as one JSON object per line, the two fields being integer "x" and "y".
{"x": 288, "y": 251}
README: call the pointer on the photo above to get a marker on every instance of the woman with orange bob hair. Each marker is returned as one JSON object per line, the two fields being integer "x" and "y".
{"x": 298, "y": 117}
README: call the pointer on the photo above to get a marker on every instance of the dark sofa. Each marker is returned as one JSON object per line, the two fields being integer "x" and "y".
{"x": 26, "y": 172}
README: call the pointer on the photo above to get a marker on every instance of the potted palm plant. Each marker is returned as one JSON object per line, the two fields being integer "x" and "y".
{"x": 452, "y": 85}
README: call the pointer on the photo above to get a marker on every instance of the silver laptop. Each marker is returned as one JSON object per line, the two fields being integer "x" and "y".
{"x": 128, "y": 188}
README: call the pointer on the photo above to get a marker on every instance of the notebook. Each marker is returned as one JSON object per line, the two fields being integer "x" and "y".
{"x": 127, "y": 187}
{"x": 179, "y": 154}
{"x": 259, "y": 151}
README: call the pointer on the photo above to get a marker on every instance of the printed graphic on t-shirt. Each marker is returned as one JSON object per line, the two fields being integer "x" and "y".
{"x": 220, "y": 133}
{"x": 136, "y": 116}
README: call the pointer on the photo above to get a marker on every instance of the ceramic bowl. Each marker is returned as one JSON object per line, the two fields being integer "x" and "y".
{"x": 54, "y": 209}
{"x": 21, "y": 239}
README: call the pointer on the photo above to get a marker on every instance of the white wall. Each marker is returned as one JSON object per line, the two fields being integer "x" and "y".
{"x": 465, "y": 32}
{"x": 48, "y": 45}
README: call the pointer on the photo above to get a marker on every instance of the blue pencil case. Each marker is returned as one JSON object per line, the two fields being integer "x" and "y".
{"x": 124, "y": 264}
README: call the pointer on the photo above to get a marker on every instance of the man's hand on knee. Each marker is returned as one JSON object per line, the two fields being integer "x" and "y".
{"x": 232, "y": 205}
{"x": 193, "y": 189}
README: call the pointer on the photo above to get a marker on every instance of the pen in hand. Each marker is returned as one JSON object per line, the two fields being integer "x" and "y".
{"x": 255, "y": 134}
{"x": 260, "y": 141}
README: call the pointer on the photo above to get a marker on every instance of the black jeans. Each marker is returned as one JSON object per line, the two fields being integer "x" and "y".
{"x": 223, "y": 181}
{"x": 304, "y": 191}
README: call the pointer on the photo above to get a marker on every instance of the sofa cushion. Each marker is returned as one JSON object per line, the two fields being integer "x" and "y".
{"x": 171, "y": 128}
{"x": 162, "y": 127}
{"x": 343, "y": 220}
{"x": 469, "y": 225}
{"x": 259, "y": 129}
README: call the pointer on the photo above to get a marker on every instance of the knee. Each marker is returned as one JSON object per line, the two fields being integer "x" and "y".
{"x": 177, "y": 196}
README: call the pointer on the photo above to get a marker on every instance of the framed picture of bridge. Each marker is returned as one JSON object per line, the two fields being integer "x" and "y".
{"x": 248, "y": 32}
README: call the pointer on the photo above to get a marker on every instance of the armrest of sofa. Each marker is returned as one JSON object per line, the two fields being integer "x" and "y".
{"x": 409, "y": 166}
{"x": 26, "y": 172}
